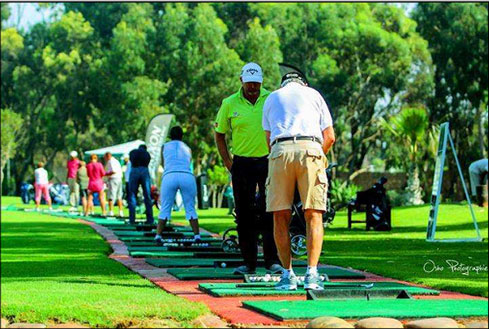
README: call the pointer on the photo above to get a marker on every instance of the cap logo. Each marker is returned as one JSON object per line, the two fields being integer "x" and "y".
{"x": 252, "y": 71}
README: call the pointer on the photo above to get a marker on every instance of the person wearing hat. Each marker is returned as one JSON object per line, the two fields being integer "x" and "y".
{"x": 72, "y": 166}
{"x": 241, "y": 115}
{"x": 299, "y": 130}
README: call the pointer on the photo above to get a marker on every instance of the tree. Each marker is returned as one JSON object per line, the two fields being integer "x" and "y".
{"x": 457, "y": 34}
{"x": 409, "y": 128}
{"x": 11, "y": 123}
{"x": 218, "y": 179}
{"x": 262, "y": 46}
{"x": 201, "y": 68}
{"x": 356, "y": 55}
{"x": 5, "y": 12}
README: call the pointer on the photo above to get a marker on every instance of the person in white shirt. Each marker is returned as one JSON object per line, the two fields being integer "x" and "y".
{"x": 113, "y": 170}
{"x": 176, "y": 158}
{"x": 299, "y": 131}
{"x": 478, "y": 175}
{"x": 126, "y": 169}
{"x": 41, "y": 186}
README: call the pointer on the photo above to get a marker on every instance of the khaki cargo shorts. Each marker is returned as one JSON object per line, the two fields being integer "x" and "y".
{"x": 114, "y": 191}
{"x": 301, "y": 164}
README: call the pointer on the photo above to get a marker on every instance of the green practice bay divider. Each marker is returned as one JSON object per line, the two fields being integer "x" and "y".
{"x": 393, "y": 308}
{"x": 207, "y": 262}
{"x": 227, "y": 273}
{"x": 268, "y": 289}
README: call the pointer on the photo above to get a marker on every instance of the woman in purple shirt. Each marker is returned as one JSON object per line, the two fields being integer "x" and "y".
{"x": 95, "y": 172}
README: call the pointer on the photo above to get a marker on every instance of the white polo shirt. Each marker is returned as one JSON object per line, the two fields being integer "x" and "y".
{"x": 41, "y": 176}
{"x": 295, "y": 110}
{"x": 114, "y": 166}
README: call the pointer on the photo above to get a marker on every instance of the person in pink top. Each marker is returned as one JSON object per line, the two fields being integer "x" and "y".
{"x": 41, "y": 185}
{"x": 96, "y": 172}
{"x": 72, "y": 165}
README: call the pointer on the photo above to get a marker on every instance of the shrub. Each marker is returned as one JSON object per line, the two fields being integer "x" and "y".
{"x": 341, "y": 192}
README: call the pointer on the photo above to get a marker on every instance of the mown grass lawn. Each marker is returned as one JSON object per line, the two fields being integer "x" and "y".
{"x": 402, "y": 253}
{"x": 56, "y": 269}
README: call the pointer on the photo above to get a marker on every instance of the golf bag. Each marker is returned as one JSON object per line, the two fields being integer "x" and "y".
{"x": 26, "y": 192}
{"x": 297, "y": 224}
{"x": 60, "y": 194}
{"x": 376, "y": 204}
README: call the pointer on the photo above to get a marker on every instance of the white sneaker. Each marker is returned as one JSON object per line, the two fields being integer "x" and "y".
{"x": 73, "y": 209}
{"x": 121, "y": 214}
{"x": 111, "y": 213}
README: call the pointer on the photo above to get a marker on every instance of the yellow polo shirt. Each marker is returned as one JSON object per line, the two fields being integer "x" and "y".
{"x": 245, "y": 122}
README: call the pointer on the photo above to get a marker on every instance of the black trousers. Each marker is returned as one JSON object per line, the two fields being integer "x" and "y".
{"x": 249, "y": 176}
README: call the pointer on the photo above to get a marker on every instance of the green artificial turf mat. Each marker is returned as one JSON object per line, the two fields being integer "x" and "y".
{"x": 104, "y": 221}
{"x": 267, "y": 288}
{"x": 227, "y": 273}
{"x": 177, "y": 238}
{"x": 394, "y": 308}
{"x": 150, "y": 243}
{"x": 152, "y": 234}
{"x": 206, "y": 262}
{"x": 175, "y": 248}
{"x": 177, "y": 254}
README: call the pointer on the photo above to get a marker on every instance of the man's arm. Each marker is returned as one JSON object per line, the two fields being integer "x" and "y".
{"x": 328, "y": 139}
{"x": 267, "y": 134}
{"x": 222, "y": 147}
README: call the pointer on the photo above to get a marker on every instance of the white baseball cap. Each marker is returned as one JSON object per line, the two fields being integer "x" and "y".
{"x": 74, "y": 154}
{"x": 252, "y": 72}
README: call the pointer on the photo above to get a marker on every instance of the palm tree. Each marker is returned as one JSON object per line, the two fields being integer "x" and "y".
{"x": 409, "y": 128}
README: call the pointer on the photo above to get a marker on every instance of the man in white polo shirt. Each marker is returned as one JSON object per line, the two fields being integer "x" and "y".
{"x": 299, "y": 130}
{"x": 113, "y": 170}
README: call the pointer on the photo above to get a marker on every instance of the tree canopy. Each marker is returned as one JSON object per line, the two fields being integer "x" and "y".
{"x": 96, "y": 74}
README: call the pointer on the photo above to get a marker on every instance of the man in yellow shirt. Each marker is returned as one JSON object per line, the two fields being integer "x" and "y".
{"x": 241, "y": 114}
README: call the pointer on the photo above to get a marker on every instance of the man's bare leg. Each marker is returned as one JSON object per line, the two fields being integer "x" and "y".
{"x": 194, "y": 224}
{"x": 315, "y": 232}
{"x": 121, "y": 208}
{"x": 161, "y": 226}
{"x": 281, "y": 223}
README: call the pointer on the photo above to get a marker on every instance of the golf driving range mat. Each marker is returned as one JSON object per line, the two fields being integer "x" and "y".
{"x": 146, "y": 227}
{"x": 227, "y": 273}
{"x": 393, "y": 308}
{"x": 338, "y": 289}
{"x": 208, "y": 262}
{"x": 179, "y": 254}
{"x": 173, "y": 254}
{"x": 171, "y": 247}
{"x": 184, "y": 242}
{"x": 130, "y": 233}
